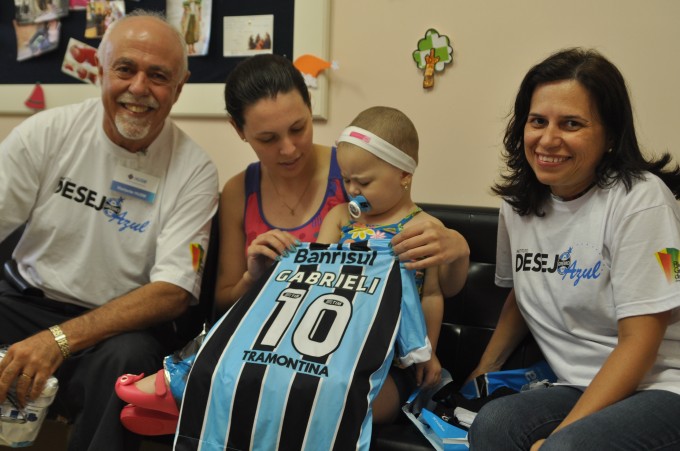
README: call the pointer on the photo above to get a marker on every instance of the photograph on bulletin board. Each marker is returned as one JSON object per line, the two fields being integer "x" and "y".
{"x": 36, "y": 11}
{"x": 192, "y": 18}
{"x": 34, "y": 39}
{"x": 100, "y": 15}
{"x": 80, "y": 62}
{"x": 248, "y": 35}
{"x": 75, "y": 5}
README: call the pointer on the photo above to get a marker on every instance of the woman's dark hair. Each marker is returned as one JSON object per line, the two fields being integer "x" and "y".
{"x": 607, "y": 89}
{"x": 259, "y": 77}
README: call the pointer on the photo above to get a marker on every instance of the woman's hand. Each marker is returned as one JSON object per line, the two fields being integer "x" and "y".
{"x": 510, "y": 331}
{"x": 536, "y": 446}
{"x": 429, "y": 374}
{"x": 266, "y": 248}
{"x": 429, "y": 243}
{"x": 478, "y": 371}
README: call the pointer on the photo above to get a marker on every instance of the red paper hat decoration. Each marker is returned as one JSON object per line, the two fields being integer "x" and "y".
{"x": 37, "y": 99}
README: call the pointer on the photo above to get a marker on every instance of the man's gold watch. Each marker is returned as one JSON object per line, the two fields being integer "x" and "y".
{"x": 61, "y": 340}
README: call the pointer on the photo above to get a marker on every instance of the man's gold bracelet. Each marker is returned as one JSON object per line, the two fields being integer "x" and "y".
{"x": 61, "y": 340}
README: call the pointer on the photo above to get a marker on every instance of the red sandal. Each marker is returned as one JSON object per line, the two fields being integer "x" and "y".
{"x": 161, "y": 401}
{"x": 148, "y": 422}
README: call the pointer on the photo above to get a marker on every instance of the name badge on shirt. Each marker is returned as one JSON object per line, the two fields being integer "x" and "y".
{"x": 135, "y": 183}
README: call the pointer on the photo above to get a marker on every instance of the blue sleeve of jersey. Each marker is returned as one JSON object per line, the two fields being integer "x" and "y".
{"x": 413, "y": 346}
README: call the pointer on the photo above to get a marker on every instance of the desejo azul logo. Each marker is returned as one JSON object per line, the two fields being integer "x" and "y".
{"x": 668, "y": 259}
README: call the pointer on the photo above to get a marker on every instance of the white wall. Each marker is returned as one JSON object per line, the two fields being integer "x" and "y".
{"x": 461, "y": 120}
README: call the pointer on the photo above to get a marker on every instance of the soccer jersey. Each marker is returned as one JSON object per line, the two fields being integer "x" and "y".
{"x": 298, "y": 361}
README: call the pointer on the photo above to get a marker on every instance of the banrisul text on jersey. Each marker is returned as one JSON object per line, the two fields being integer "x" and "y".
{"x": 335, "y": 257}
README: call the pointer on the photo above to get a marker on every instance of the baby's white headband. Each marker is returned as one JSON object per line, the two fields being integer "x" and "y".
{"x": 378, "y": 147}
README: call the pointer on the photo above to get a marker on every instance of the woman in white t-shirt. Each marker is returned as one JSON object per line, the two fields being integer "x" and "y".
{"x": 588, "y": 239}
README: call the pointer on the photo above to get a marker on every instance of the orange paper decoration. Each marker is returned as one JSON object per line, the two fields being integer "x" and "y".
{"x": 311, "y": 65}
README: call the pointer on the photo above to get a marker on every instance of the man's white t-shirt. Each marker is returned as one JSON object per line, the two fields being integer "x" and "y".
{"x": 102, "y": 221}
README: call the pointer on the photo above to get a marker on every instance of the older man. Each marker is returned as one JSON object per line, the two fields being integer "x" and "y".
{"x": 117, "y": 203}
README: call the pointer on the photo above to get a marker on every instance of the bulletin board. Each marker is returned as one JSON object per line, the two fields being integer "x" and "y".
{"x": 300, "y": 27}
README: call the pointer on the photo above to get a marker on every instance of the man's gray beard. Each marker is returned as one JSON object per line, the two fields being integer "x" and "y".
{"x": 131, "y": 128}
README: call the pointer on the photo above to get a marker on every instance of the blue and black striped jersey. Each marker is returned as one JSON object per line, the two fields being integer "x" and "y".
{"x": 296, "y": 363}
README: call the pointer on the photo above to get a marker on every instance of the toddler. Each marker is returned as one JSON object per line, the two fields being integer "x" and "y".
{"x": 377, "y": 155}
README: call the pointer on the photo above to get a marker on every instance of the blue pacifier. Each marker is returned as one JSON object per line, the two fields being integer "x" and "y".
{"x": 357, "y": 205}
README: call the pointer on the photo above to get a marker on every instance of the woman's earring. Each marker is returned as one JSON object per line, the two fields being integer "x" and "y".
{"x": 244, "y": 140}
{"x": 406, "y": 187}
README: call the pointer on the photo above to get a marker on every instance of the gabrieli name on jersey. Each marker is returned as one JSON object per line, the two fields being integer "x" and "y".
{"x": 296, "y": 363}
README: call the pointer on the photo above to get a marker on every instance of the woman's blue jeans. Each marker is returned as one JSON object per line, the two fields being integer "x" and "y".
{"x": 647, "y": 420}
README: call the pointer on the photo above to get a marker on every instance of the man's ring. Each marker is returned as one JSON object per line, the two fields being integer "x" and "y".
{"x": 25, "y": 375}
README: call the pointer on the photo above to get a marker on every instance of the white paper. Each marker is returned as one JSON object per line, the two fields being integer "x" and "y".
{"x": 248, "y": 35}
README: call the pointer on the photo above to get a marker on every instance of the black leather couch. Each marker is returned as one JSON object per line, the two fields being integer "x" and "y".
{"x": 7, "y": 246}
{"x": 469, "y": 317}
